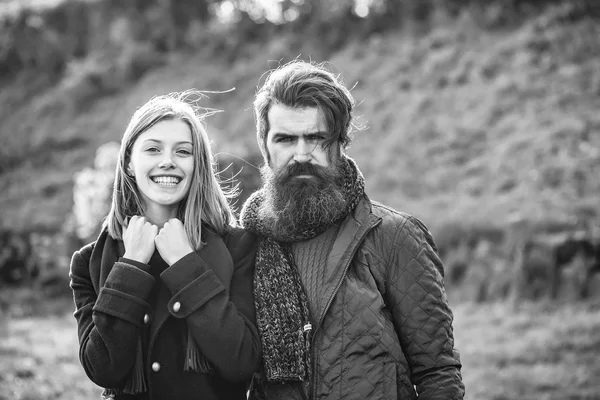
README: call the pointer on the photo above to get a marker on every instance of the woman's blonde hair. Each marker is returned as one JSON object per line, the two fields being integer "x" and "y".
{"x": 206, "y": 202}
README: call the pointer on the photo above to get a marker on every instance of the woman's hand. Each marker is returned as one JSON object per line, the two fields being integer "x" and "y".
{"x": 138, "y": 238}
{"x": 172, "y": 242}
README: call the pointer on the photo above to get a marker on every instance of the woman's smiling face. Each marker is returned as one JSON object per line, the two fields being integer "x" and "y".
{"x": 162, "y": 162}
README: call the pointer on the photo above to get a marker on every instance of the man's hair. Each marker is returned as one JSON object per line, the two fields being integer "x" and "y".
{"x": 206, "y": 202}
{"x": 301, "y": 84}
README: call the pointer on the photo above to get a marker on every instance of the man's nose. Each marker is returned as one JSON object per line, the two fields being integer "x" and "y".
{"x": 303, "y": 151}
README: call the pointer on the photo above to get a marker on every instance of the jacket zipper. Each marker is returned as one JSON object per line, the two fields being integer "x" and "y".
{"x": 302, "y": 390}
{"x": 337, "y": 288}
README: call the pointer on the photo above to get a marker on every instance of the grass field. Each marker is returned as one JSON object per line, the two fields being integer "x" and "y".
{"x": 526, "y": 352}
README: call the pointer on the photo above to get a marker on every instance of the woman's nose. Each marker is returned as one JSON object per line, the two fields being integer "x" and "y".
{"x": 166, "y": 163}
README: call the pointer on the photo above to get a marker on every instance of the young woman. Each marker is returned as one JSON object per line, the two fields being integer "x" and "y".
{"x": 163, "y": 297}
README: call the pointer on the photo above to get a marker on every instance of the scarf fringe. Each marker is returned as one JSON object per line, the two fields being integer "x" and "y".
{"x": 137, "y": 382}
{"x": 194, "y": 360}
{"x": 110, "y": 393}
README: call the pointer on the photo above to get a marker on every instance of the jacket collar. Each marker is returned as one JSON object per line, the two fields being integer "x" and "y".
{"x": 352, "y": 232}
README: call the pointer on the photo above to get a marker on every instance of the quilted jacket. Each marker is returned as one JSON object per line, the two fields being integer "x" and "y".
{"x": 384, "y": 326}
{"x": 208, "y": 291}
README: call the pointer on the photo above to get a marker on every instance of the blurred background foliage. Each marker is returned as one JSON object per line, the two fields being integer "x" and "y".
{"x": 482, "y": 120}
{"x": 480, "y": 114}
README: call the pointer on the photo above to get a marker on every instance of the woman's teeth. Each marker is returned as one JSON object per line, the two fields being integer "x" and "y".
{"x": 166, "y": 180}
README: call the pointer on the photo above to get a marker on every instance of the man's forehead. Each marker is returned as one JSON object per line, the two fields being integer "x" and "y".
{"x": 297, "y": 121}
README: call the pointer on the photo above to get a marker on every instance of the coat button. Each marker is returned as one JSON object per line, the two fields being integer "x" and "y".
{"x": 146, "y": 319}
{"x": 155, "y": 367}
{"x": 176, "y": 306}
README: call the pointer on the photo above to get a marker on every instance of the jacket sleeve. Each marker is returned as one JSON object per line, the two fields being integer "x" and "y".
{"x": 222, "y": 321}
{"x": 422, "y": 316}
{"x": 108, "y": 322}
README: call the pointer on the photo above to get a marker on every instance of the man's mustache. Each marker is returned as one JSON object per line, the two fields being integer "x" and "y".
{"x": 297, "y": 169}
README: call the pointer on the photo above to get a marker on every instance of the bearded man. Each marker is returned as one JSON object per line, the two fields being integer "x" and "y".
{"x": 349, "y": 293}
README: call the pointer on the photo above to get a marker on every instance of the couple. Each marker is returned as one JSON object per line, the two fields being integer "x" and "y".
{"x": 323, "y": 294}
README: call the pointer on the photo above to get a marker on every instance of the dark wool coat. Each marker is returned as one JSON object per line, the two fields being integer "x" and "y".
{"x": 383, "y": 324}
{"x": 209, "y": 291}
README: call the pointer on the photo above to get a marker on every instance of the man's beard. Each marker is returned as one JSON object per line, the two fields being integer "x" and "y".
{"x": 294, "y": 205}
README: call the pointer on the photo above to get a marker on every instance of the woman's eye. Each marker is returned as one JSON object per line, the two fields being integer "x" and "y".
{"x": 151, "y": 149}
{"x": 184, "y": 152}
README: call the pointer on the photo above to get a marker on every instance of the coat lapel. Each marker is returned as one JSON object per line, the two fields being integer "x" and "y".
{"x": 216, "y": 256}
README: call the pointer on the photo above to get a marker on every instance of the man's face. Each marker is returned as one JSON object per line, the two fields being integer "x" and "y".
{"x": 296, "y": 135}
{"x": 303, "y": 184}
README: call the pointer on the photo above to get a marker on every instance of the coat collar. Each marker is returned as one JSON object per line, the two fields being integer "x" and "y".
{"x": 107, "y": 251}
{"x": 351, "y": 234}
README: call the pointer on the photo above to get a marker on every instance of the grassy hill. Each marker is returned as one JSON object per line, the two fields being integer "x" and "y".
{"x": 466, "y": 125}
{"x": 466, "y": 128}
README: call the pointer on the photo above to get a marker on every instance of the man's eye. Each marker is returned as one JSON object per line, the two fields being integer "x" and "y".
{"x": 314, "y": 138}
{"x": 286, "y": 139}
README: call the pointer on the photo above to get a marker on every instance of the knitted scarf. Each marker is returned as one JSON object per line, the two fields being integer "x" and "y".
{"x": 281, "y": 303}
